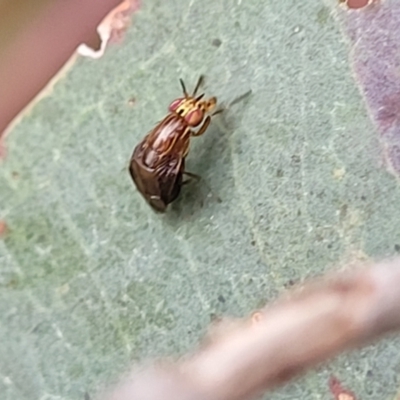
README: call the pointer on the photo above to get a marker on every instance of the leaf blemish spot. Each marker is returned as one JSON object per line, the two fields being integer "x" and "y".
{"x": 216, "y": 42}
{"x": 356, "y": 4}
{"x": 376, "y": 37}
{"x": 338, "y": 391}
{"x": 3, "y": 228}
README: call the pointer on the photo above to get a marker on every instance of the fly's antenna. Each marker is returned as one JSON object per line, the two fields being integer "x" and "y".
{"x": 199, "y": 97}
{"x": 199, "y": 83}
{"x": 183, "y": 88}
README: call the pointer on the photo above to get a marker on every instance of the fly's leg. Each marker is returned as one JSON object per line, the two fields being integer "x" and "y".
{"x": 199, "y": 83}
{"x": 203, "y": 128}
{"x": 193, "y": 177}
{"x": 206, "y": 123}
{"x": 219, "y": 111}
{"x": 240, "y": 98}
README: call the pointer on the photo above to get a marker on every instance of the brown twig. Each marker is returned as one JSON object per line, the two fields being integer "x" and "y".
{"x": 295, "y": 333}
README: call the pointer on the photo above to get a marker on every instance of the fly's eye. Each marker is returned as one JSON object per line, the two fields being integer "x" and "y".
{"x": 175, "y": 104}
{"x": 193, "y": 118}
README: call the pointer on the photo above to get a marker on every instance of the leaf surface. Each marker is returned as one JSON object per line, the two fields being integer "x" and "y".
{"x": 92, "y": 280}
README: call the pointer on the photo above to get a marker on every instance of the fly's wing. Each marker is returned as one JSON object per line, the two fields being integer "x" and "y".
{"x": 170, "y": 178}
{"x": 145, "y": 180}
{"x": 158, "y": 186}
{"x": 157, "y": 162}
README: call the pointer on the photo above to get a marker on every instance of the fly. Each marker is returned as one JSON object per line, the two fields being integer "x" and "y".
{"x": 157, "y": 164}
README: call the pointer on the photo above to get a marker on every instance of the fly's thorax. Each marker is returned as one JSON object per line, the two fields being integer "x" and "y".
{"x": 193, "y": 110}
{"x": 169, "y": 138}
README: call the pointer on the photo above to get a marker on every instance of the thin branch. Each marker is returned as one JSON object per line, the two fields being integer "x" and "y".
{"x": 243, "y": 358}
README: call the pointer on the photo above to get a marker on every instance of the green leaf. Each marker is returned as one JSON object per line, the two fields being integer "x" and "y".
{"x": 91, "y": 279}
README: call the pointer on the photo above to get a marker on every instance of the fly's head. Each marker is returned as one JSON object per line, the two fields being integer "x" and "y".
{"x": 193, "y": 109}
